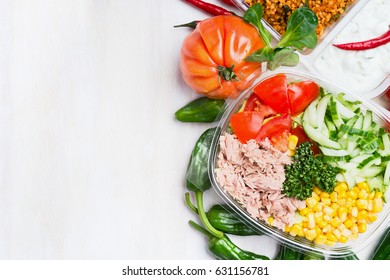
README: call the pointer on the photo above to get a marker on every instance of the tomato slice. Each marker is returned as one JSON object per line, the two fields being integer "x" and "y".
{"x": 246, "y": 125}
{"x": 275, "y": 125}
{"x": 280, "y": 140}
{"x": 273, "y": 92}
{"x": 254, "y": 104}
{"x": 301, "y": 94}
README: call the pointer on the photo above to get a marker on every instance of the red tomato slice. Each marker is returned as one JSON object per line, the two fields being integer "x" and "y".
{"x": 301, "y": 94}
{"x": 246, "y": 125}
{"x": 274, "y": 126}
{"x": 302, "y": 137}
{"x": 273, "y": 92}
{"x": 254, "y": 104}
{"x": 280, "y": 140}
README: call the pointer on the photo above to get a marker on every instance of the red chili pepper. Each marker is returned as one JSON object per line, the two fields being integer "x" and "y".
{"x": 366, "y": 45}
{"x": 209, "y": 8}
{"x": 229, "y": 2}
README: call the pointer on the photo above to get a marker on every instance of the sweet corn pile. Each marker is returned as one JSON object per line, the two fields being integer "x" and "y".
{"x": 339, "y": 216}
{"x": 336, "y": 217}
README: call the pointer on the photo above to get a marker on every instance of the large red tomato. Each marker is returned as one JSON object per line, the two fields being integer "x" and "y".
{"x": 213, "y": 56}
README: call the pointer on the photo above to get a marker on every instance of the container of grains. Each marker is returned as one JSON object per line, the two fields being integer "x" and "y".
{"x": 252, "y": 163}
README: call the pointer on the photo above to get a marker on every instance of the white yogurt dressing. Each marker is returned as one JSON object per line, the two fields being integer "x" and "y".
{"x": 359, "y": 71}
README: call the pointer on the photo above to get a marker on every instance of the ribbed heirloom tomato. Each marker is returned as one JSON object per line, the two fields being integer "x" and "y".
{"x": 213, "y": 56}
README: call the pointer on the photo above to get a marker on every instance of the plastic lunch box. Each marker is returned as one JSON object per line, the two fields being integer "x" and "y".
{"x": 299, "y": 243}
{"x": 308, "y": 58}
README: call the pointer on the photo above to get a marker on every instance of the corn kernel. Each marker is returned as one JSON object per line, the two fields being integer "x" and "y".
{"x": 335, "y": 222}
{"x": 324, "y": 195}
{"x": 363, "y": 194}
{"x": 337, "y": 233}
{"x": 311, "y": 234}
{"x": 349, "y": 202}
{"x": 352, "y": 194}
{"x": 342, "y": 186}
{"x": 329, "y": 211}
{"x": 326, "y": 229}
{"x": 318, "y": 230}
{"x": 321, "y": 239}
{"x": 311, "y": 222}
{"x": 305, "y": 211}
{"x": 317, "y": 190}
{"x": 318, "y": 207}
{"x": 362, "y": 203}
{"x": 291, "y": 153}
{"x": 377, "y": 205}
{"x": 354, "y": 211}
{"x": 326, "y": 201}
{"x": 354, "y": 228}
{"x": 370, "y": 204}
{"x": 371, "y": 195}
{"x": 311, "y": 202}
{"x": 322, "y": 224}
{"x": 301, "y": 233}
{"x": 295, "y": 229}
{"x": 327, "y": 218}
{"x": 292, "y": 142}
{"x": 330, "y": 243}
{"x": 363, "y": 186}
{"x": 362, "y": 214}
{"x": 342, "y": 213}
{"x": 362, "y": 228}
{"x": 371, "y": 217}
{"x": 316, "y": 196}
{"x": 331, "y": 237}
{"x": 378, "y": 195}
{"x": 355, "y": 190}
{"x": 343, "y": 239}
{"x": 271, "y": 220}
{"x": 348, "y": 223}
{"x": 287, "y": 229}
{"x": 318, "y": 217}
{"x": 333, "y": 196}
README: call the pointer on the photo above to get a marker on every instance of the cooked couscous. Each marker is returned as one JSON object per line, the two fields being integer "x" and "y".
{"x": 276, "y": 12}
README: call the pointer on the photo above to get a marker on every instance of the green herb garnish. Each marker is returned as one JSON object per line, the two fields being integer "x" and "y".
{"x": 300, "y": 34}
{"x": 306, "y": 172}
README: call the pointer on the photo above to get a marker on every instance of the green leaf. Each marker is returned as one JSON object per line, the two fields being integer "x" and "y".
{"x": 300, "y": 27}
{"x": 310, "y": 41}
{"x": 283, "y": 57}
{"x": 262, "y": 55}
{"x": 253, "y": 15}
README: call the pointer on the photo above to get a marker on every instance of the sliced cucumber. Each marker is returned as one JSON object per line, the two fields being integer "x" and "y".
{"x": 318, "y": 137}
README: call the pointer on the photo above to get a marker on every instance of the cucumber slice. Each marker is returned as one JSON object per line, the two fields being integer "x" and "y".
{"x": 333, "y": 152}
{"x": 318, "y": 137}
{"x": 367, "y": 121}
{"x": 386, "y": 176}
{"x": 321, "y": 110}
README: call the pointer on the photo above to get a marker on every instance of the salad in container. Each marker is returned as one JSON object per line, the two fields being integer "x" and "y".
{"x": 306, "y": 162}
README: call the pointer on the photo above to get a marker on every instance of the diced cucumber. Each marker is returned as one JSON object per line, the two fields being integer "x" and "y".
{"x": 311, "y": 112}
{"x": 386, "y": 176}
{"x": 336, "y": 118}
{"x": 318, "y": 137}
{"x": 343, "y": 111}
{"x": 333, "y": 152}
{"x": 371, "y": 171}
{"x": 367, "y": 121}
{"x": 321, "y": 110}
{"x": 349, "y": 179}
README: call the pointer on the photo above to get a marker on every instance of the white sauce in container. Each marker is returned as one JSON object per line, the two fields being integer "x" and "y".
{"x": 359, "y": 71}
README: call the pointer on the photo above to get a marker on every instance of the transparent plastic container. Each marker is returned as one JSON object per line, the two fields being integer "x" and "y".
{"x": 370, "y": 87}
{"x": 374, "y": 230}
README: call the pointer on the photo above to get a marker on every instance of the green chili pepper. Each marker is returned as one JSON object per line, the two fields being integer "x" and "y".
{"x": 286, "y": 253}
{"x": 203, "y": 109}
{"x": 351, "y": 256}
{"x": 224, "y": 249}
{"x": 224, "y": 219}
{"x": 197, "y": 175}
